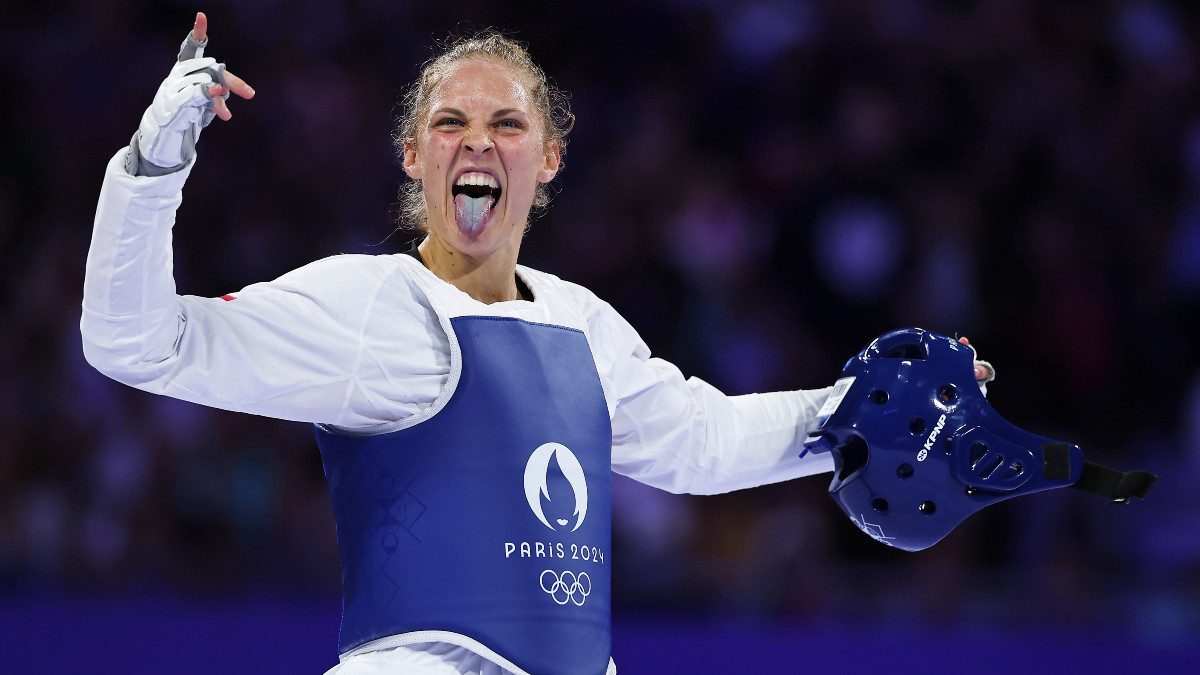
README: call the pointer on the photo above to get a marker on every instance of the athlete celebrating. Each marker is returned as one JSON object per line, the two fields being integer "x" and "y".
{"x": 469, "y": 410}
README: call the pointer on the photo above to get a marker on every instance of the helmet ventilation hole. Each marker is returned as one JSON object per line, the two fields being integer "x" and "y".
{"x": 978, "y": 450}
{"x": 909, "y": 351}
{"x": 991, "y": 468}
{"x": 904, "y": 471}
{"x": 879, "y": 396}
{"x": 948, "y": 393}
{"x": 879, "y": 504}
{"x": 916, "y": 426}
{"x": 927, "y": 507}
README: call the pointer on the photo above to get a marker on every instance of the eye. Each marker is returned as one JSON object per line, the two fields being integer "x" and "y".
{"x": 508, "y": 124}
{"x": 448, "y": 122}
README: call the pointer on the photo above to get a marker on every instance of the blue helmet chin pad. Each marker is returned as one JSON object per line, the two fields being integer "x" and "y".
{"x": 916, "y": 446}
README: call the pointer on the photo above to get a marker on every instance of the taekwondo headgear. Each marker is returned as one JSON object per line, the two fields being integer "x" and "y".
{"x": 917, "y": 448}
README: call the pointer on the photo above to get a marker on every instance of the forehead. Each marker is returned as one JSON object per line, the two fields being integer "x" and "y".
{"x": 481, "y": 83}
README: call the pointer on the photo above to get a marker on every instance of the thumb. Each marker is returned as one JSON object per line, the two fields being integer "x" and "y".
{"x": 200, "y": 28}
{"x": 193, "y": 45}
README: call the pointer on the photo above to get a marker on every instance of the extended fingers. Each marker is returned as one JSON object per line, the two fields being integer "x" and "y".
{"x": 221, "y": 109}
{"x": 238, "y": 86}
{"x": 217, "y": 92}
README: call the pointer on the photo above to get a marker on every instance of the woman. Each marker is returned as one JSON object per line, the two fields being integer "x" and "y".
{"x": 469, "y": 410}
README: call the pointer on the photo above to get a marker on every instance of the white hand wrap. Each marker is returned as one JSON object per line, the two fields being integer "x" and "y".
{"x": 166, "y": 138}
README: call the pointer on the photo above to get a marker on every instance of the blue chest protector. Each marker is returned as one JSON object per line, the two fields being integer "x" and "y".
{"x": 490, "y": 519}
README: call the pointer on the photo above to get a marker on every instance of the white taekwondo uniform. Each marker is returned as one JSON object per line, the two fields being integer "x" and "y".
{"x": 356, "y": 342}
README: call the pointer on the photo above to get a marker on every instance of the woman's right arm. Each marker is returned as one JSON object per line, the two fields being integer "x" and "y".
{"x": 289, "y": 348}
{"x": 286, "y": 349}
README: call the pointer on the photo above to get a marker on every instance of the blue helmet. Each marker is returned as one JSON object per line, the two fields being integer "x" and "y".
{"x": 917, "y": 448}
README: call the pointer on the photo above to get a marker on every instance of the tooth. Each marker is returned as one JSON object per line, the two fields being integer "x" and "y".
{"x": 478, "y": 178}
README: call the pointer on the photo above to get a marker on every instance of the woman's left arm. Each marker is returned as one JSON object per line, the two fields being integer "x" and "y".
{"x": 685, "y": 436}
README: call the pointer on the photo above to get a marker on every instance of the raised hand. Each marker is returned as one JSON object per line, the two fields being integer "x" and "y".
{"x": 230, "y": 83}
{"x": 194, "y": 92}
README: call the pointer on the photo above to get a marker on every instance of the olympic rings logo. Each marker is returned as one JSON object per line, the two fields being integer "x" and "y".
{"x": 567, "y": 587}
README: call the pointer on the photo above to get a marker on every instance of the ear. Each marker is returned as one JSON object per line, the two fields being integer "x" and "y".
{"x": 411, "y": 166}
{"x": 553, "y": 159}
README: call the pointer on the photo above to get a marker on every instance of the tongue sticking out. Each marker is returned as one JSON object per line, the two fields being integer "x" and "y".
{"x": 470, "y": 212}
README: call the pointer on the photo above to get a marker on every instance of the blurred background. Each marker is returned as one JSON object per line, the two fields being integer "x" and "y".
{"x": 760, "y": 187}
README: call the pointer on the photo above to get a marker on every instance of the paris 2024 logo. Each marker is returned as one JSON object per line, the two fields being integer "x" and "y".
{"x": 565, "y": 587}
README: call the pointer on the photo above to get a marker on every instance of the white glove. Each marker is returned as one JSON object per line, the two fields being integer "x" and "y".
{"x": 166, "y": 138}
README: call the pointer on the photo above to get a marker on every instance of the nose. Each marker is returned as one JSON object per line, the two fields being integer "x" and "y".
{"x": 479, "y": 141}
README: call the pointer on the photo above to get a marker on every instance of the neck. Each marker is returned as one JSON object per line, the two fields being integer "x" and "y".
{"x": 489, "y": 279}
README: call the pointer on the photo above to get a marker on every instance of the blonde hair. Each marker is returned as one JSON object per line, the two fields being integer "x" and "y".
{"x": 551, "y": 107}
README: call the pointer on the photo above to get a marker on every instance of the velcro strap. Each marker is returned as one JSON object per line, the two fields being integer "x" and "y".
{"x": 1056, "y": 461}
{"x": 1119, "y": 487}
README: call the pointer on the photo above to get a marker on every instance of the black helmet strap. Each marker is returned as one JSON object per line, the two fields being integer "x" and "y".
{"x": 1119, "y": 487}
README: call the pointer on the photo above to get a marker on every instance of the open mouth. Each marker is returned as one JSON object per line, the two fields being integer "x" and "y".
{"x": 474, "y": 193}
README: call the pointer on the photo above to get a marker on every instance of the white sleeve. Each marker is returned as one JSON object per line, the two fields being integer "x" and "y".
{"x": 286, "y": 349}
{"x": 685, "y": 436}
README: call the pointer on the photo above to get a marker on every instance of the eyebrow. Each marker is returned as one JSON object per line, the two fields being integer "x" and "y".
{"x": 507, "y": 111}
{"x": 499, "y": 113}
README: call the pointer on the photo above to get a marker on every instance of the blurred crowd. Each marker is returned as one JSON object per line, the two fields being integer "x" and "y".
{"x": 760, "y": 187}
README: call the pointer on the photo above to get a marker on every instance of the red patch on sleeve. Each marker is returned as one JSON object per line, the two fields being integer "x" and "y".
{"x": 227, "y": 298}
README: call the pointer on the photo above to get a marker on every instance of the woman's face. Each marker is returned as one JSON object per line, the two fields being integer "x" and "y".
{"x": 480, "y": 157}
